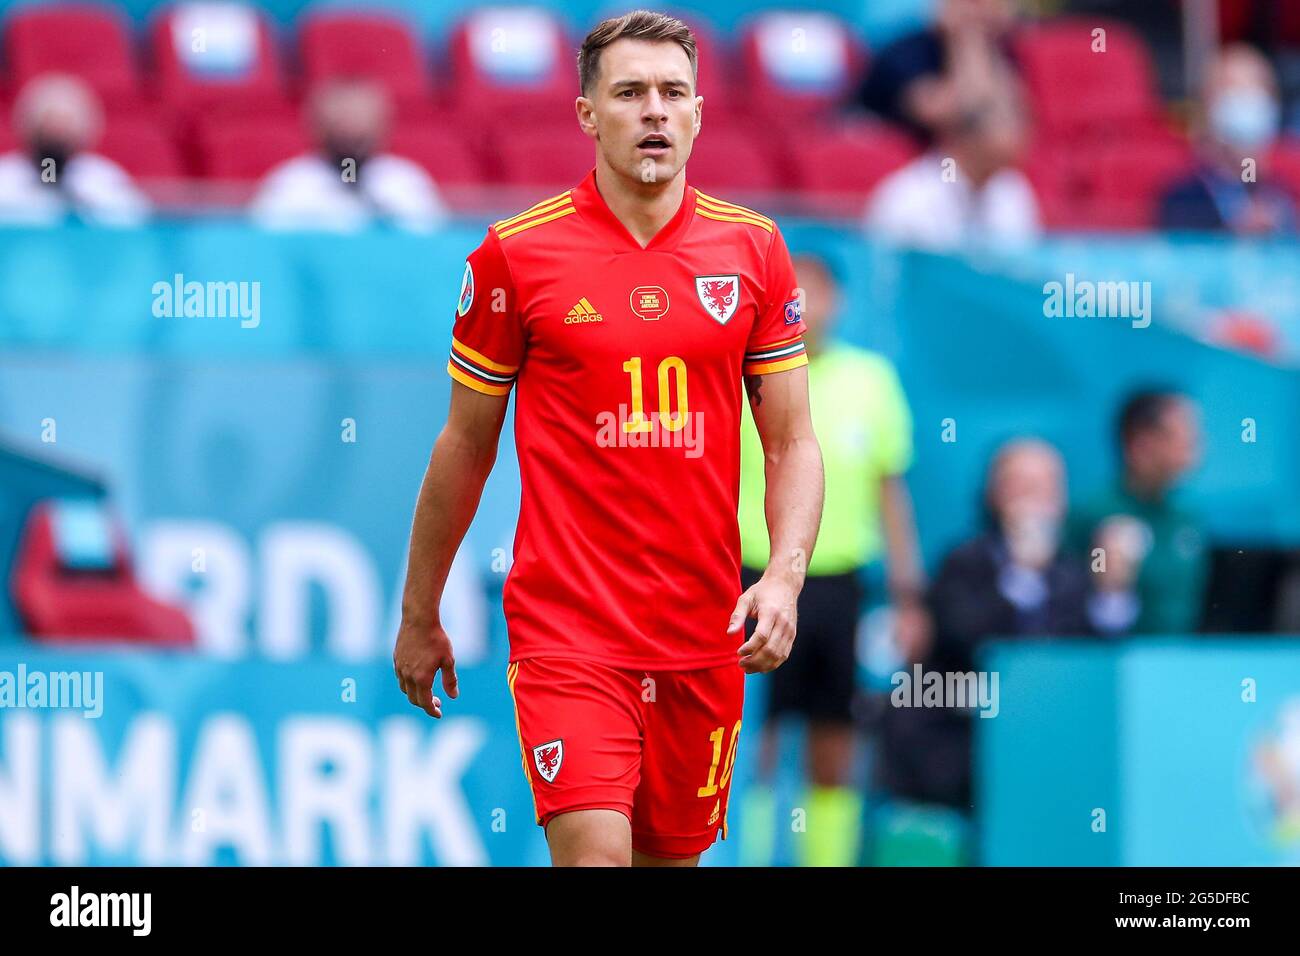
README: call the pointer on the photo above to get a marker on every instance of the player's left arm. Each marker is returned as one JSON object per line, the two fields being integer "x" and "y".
{"x": 793, "y": 505}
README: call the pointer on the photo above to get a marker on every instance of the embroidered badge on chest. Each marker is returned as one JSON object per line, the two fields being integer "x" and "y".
{"x": 650, "y": 302}
{"x": 719, "y": 295}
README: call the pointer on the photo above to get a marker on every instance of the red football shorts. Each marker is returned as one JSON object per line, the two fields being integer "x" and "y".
{"x": 657, "y": 746}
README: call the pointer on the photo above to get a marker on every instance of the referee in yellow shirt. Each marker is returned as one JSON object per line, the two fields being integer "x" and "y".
{"x": 864, "y": 427}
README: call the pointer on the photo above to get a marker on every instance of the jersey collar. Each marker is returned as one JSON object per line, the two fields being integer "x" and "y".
{"x": 592, "y": 207}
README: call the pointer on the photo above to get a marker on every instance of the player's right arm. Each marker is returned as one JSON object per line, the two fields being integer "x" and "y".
{"x": 486, "y": 352}
{"x": 453, "y": 483}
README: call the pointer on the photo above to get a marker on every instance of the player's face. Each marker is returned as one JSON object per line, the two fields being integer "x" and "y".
{"x": 643, "y": 111}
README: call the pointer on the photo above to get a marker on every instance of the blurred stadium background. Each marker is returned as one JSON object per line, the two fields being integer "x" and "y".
{"x": 211, "y": 510}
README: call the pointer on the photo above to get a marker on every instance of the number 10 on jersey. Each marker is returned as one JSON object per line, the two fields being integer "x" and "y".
{"x": 670, "y": 368}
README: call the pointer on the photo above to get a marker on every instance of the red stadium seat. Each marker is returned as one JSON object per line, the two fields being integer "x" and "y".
{"x": 8, "y": 139}
{"x": 1060, "y": 183}
{"x": 1277, "y": 20}
{"x": 1074, "y": 90}
{"x": 246, "y": 148}
{"x": 1282, "y": 166}
{"x": 799, "y": 64}
{"x": 1288, "y": 24}
{"x": 512, "y": 63}
{"x": 1234, "y": 19}
{"x": 729, "y": 159}
{"x": 370, "y": 45}
{"x": 87, "y": 40}
{"x": 447, "y": 156}
{"x": 100, "y": 605}
{"x": 141, "y": 147}
{"x": 216, "y": 57}
{"x": 838, "y": 165}
{"x": 555, "y": 156}
{"x": 716, "y": 72}
{"x": 1127, "y": 180}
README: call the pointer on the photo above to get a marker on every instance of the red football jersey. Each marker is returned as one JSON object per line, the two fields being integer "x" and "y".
{"x": 629, "y": 366}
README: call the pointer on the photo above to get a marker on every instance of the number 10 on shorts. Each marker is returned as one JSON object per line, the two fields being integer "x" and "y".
{"x": 715, "y": 738}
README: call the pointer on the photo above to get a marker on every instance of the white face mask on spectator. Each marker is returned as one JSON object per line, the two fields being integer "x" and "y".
{"x": 1032, "y": 536}
{"x": 1244, "y": 118}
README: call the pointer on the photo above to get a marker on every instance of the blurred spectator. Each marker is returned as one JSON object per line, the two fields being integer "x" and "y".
{"x": 58, "y": 120}
{"x": 954, "y": 87}
{"x": 1013, "y": 580}
{"x": 948, "y": 76}
{"x": 955, "y": 198}
{"x": 1239, "y": 122}
{"x": 349, "y": 182}
{"x": 1142, "y": 533}
{"x": 863, "y": 423}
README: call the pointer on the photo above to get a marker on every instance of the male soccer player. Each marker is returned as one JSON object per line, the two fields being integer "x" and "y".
{"x": 627, "y": 310}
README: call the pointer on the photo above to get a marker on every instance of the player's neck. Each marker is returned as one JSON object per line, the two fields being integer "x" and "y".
{"x": 642, "y": 208}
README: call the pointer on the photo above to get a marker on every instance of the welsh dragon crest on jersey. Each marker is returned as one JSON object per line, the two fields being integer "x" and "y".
{"x": 718, "y": 295}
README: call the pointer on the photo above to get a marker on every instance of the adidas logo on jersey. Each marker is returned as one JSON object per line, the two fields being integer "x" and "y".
{"x": 583, "y": 312}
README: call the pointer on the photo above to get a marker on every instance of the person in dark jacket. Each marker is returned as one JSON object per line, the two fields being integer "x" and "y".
{"x": 1013, "y": 580}
{"x": 1227, "y": 191}
{"x": 953, "y": 77}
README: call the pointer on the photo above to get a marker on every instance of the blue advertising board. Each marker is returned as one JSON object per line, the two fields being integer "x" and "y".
{"x": 160, "y": 759}
{"x": 1177, "y": 752}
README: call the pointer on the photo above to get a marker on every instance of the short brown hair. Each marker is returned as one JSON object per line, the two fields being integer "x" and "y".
{"x": 637, "y": 25}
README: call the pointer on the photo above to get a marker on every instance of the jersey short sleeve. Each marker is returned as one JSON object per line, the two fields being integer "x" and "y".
{"x": 487, "y": 340}
{"x": 776, "y": 342}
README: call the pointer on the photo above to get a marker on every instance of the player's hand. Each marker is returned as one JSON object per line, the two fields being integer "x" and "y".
{"x": 913, "y": 630}
{"x": 1124, "y": 543}
{"x": 774, "y": 602}
{"x": 419, "y": 654}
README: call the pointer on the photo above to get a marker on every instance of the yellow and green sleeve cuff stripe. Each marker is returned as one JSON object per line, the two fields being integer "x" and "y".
{"x": 479, "y": 372}
{"x": 776, "y": 357}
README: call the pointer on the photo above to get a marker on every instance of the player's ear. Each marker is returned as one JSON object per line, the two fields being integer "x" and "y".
{"x": 699, "y": 113}
{"x": 586, "y": 111}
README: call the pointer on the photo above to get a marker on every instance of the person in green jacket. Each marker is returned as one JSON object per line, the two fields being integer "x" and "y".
{"x": 1138, "y": 529}
{"x": 864, "y": 426}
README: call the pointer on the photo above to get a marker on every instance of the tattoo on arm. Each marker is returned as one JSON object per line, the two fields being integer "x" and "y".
{"x": 754, "y": 385}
